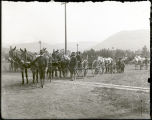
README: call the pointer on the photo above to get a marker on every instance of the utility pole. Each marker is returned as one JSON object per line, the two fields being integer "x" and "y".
{"x": 77, "y": 48}
{"x": 65, "y": 30}
{"x": 40, "y": 44}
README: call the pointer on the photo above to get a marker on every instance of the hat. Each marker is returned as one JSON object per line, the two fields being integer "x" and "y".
{"x": 73, "y": 54}
{"x": 41, "y": 52}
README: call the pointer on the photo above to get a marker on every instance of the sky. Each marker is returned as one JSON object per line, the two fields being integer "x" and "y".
{"x": 86, "y": 21}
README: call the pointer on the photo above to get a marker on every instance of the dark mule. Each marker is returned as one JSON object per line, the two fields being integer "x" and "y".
{"x": 19, "y": 59}
{"x": 31, "y": 57}
{"x": 28, "y": 59}
{"x": 24, "y": 63}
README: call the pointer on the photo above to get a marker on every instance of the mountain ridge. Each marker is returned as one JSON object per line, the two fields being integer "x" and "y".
{"x": 125, "y": 40}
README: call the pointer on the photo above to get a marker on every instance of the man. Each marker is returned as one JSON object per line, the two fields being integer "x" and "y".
{"x": 72, "y": 65}
{"x": 79, "y": 59}
{"x": 49, "y": 70}
{"x": 54, "y": 63}
{"x": 42, "y": 64}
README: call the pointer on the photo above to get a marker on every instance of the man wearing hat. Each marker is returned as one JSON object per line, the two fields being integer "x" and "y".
{"x": 41, "y": 52}
{"x": 79, "y": 59}
{"x": 72, "y": 65}
{"x": 42, "y": 64}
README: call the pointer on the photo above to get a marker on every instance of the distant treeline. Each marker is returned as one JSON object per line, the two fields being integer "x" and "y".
{"x": 117, "y": 53}
{"x": 113, "y": 53}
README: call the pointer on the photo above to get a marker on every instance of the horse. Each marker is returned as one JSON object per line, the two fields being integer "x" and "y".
{"x": 138, "y": 61}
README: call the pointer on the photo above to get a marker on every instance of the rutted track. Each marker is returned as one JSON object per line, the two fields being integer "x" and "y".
{"x": 96, "y": 84}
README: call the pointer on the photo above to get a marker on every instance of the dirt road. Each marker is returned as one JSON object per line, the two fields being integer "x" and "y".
{"x": 83, "y": 98}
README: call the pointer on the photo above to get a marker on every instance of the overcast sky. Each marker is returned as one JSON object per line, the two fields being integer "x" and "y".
{"x": 34, "y": 21}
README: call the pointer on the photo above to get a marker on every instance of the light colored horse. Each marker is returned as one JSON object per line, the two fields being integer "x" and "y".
{"x": 138, "y": 61}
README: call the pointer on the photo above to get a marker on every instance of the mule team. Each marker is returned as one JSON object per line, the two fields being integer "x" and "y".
{"x": 58, "y": 62}
{"x": 141, "y": 62}
{"x": 45, "y": 62}
{"x": 108, "y": 65}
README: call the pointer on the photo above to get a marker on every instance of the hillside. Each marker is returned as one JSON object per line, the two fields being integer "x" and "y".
{"x": 132, "y": 40}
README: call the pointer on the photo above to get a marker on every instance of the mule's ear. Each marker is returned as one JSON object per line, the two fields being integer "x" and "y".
{"x": 14, "y": 48}
{"x": 21, "y": 50}
{"x": 24, "y": 49}
{"x": 44, "y": 48}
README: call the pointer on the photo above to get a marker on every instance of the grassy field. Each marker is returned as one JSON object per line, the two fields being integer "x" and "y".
{"x": 64, "y": 99}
